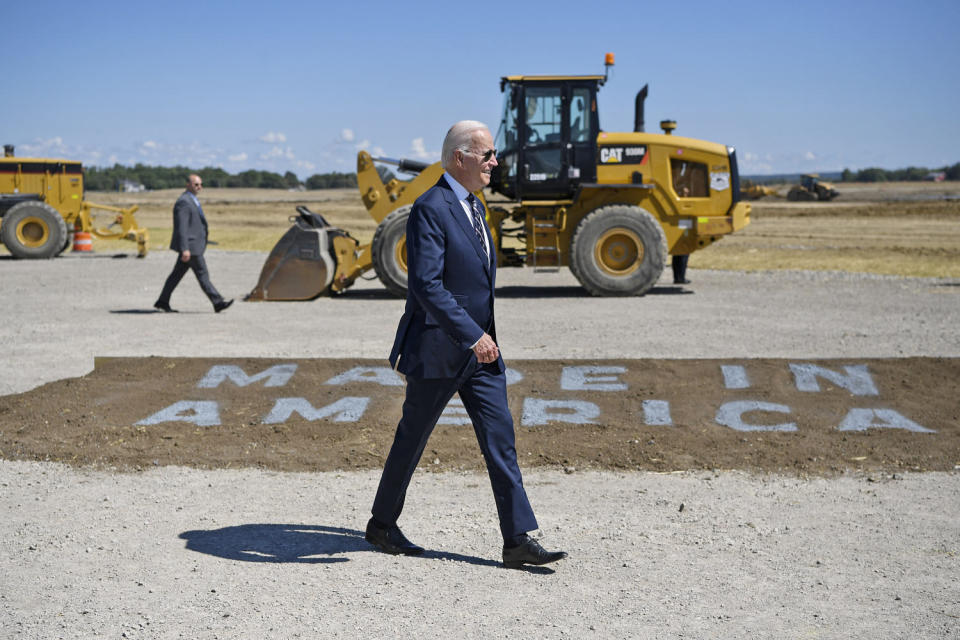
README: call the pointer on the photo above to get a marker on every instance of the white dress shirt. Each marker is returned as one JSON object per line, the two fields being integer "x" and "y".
{"x": 461, "y": 192}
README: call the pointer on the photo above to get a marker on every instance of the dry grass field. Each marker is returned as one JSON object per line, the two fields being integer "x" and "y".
{"x": 910, "y": 229}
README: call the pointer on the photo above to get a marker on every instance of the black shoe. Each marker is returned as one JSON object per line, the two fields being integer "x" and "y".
{"x": 223, "y": 304}
{"x": 163, "y": 306}
{"x": 390, "y": 540}
{"x": 529, "y": 552}
{"x": 681, "y": 281}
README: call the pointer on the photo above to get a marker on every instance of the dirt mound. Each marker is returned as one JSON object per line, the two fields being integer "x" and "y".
{"x": 817, "y": 416}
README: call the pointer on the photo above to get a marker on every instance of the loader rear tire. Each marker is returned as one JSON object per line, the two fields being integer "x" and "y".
{"x": 618, "y": 250}
{"x": 33, "y": 230}
{"x": 389, "y": 251}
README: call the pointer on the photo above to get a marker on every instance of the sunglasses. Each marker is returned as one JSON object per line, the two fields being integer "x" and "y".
{"x": 485, "y": 156}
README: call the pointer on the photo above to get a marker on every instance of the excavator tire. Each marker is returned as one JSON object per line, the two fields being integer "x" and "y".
{"x": 618, "y": 250}
{"x": 33, "y": 229}
{"x": 389, "y": 251}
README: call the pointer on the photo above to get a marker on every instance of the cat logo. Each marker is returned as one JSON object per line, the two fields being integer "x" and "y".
{"x": 623, "y": 155}
{"x": 611, "y": 154}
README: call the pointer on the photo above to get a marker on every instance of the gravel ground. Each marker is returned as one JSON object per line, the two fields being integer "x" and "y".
{"x": 228, "y": 553}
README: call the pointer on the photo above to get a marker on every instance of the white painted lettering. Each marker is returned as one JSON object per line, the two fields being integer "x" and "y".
{"x": 734, "y": 376}
{"x": 276, "y": 376}
{"x": 589, "y": 379}
{"x": 657, "y": 413}
{"x": 513, "y": 376}
{"x": 536, "y": 411}
{"x": 730, "y": 414}
{"x": 857, "y": 381}
{"x": 343, "y": 410}
{"x": 384, "y": 376}
{"x": 863, "y": 419}
{"x": 203, "y": 413}
{"x": 454, "y": 413}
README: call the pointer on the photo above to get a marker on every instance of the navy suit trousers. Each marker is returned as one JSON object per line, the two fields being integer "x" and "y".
{"x": 199, "y": 267}
{"x": 483, "y": 391}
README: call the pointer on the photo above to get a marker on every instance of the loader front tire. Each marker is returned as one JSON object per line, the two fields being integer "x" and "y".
{"x": 389, "y": 251}
{"x": 33, "y": 229}
{"x": 618, "y": 250}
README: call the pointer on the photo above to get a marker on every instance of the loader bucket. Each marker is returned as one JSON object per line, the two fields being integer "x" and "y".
{"x": 301, "y": 265}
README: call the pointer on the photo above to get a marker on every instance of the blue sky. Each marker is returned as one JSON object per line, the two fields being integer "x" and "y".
{"x": 300, "y": 86}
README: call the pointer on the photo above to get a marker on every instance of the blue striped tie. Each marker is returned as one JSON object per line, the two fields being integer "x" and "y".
{"x": 478, "y": 221}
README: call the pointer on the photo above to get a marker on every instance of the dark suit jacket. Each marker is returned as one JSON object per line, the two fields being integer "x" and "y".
{"x": 189, "y": 226}
{"x": 450, "y": 286}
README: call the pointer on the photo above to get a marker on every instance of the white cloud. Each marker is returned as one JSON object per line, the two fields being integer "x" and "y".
{"x": 273, "y": 137}
{"x": 148, "y": 148}
{"x": 44, "y": 147}
{"x": 276, "y": 153}
{"x": 809, "y": 155}
{"x": 237, "y": 158}
{"x": 346, "y": 135}
{"x": 419, "y": 151}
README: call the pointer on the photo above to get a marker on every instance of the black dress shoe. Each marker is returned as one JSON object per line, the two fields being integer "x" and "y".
{"x": 681, "y": 281}
{"x": 223, "y": 304}
{"x": 390, "y": 540}
{"x": 163, "y": 306}
{"x": 529, "y": 552}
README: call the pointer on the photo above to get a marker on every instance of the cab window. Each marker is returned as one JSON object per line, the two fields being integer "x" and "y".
{"x": 506, "y": 140}
{"x": 580, "y": 116}
{"x": 543, "y": 115}
{"x": 690, "y": 179}
{"x": 507, "y": 133}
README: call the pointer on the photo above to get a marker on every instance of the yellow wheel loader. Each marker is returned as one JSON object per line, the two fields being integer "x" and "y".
{"x": 41, "y": 204}
{"x": 610, "y": 206}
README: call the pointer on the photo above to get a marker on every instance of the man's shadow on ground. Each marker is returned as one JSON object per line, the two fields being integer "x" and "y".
{"x": 303, "y": 543}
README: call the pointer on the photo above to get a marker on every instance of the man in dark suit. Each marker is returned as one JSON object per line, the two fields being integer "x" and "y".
{"x": 189, "y": 240}
{"x": 446, "y": 344}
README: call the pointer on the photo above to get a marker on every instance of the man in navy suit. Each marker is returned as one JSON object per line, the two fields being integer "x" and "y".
{"x": 446, "y": 343}
{"x": 189, "y": 240}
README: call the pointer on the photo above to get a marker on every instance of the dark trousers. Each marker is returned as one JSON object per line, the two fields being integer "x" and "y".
{"x": 484, "y": 394}
{"x": 679, "y": 264}
{"x": 199, "y": 267}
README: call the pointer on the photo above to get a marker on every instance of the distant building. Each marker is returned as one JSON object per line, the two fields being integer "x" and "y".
{"x": 129, "y": 186}
{"x": 935, "y": 176}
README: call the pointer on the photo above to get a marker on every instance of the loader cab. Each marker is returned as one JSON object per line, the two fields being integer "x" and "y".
{"x": 547, "y": 139}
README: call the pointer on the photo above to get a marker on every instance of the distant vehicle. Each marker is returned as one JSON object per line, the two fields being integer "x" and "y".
{"x": 811, "y": 188}
{"x": 753, "y": 191}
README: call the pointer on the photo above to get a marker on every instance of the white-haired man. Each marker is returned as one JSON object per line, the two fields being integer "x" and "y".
{"x": 446, "y": 344}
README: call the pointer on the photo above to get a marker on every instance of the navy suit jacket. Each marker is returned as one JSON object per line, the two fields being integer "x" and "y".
{"x": 189, "y": 226}
{"x": 450, "y": 285}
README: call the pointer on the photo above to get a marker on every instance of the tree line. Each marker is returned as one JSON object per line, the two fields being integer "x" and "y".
{"x": 910, "y": 174}
{"x": 113, "y": 178}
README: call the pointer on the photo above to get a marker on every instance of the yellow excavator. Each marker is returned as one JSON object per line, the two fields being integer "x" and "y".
{"x": 41, "y": 203}
{"x": 610, "y": 206}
